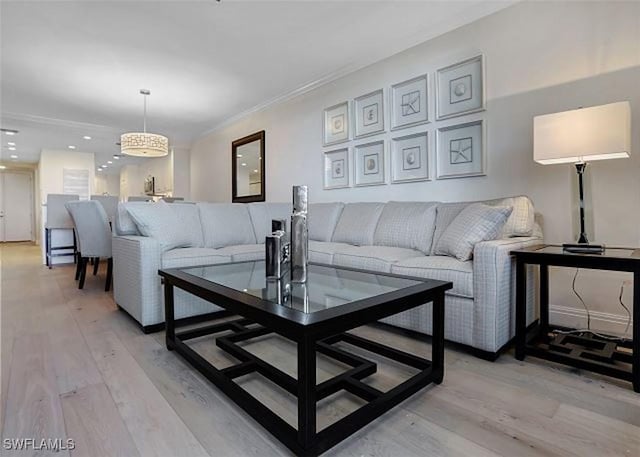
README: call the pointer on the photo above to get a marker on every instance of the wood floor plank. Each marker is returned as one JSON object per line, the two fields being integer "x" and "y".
{"x": 33, "y": 405}
{"x": 154, "y": 425}
{"x": 93, "y": 421}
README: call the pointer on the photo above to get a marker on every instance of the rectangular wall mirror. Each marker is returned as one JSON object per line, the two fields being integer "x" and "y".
{"x": 247, "y": 169}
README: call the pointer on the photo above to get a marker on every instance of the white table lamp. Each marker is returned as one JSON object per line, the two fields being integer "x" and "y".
{"x": 582, "y": 135}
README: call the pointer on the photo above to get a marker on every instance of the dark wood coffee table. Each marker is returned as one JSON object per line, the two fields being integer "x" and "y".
{"x": 316, "y": 316}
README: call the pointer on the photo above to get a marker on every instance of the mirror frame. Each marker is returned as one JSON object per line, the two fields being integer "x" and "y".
{"x": 234, "y": 184}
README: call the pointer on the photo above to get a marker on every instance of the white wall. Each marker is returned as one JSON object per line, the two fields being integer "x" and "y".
{"x": 50, "y": 179}
{"x": 107, "y": 184}
{"x": 182, "y": 173}
{"x": 540, "y": 58}
{"x": 132, "y": 176}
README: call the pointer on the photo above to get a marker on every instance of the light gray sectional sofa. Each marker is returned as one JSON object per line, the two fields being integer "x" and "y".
{"x": 393, "y": 237}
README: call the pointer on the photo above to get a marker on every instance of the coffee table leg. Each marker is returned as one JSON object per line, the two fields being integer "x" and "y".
{"x": 169, "y": 318}
{"x": 635, "y": 374}
{"x": 306, "y": 392}
{"x": 437, "y": 342}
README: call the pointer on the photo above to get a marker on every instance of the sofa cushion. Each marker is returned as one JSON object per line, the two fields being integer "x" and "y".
{"x": 124, "y": 224}
{"x": 445, "y": 214}
{"x": 263, "y": 213}
{"x": 522, "y": 219}
{"x": 243, "y": 252}
{"x": 159, "y": 221}
{"x": 190, "y": 222}
{"x": 192, "y": 257}
{"x": 323, "y": 218}
{"x": 477, "y": 222}
{"x": 406, "y": 225}
{"x": 442, "y": 268}
{"x": 373, "y": 258}
{"x": 357, "y": 223}
{"x": 226, "y": 224}
{"x": 322, "y": 252}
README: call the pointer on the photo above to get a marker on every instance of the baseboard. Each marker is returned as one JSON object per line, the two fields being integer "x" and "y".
{"x": 565, "y": 316}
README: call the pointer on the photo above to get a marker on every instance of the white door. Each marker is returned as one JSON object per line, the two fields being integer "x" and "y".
{"x": 16, "y": 207}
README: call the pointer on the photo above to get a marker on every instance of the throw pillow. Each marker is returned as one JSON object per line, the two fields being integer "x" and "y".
{"x": 475, "y": 223}
{"x": 159, "y": 221}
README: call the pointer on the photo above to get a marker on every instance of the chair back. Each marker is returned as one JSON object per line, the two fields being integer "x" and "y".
{"x": 57, "y": 215}
{"x": 109, "y": 203}
{"x": 139, "y": 199}
{"x": 92, "y": 228}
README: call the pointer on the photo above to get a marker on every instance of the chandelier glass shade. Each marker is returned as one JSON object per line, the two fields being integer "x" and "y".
{"x": 143, "y": 144}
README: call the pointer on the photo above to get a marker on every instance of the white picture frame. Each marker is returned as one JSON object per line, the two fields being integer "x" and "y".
{"x": 335, "y": 124}
{"x": 460, "y": 88}
{"x": 410, "y": 102}
{"x": 410, "y": 158}
{"x": 336, "y": 168}
{"x": 368, "y": 114}
{"x": 369, "y": 164}
{"x": 460, "y": 150}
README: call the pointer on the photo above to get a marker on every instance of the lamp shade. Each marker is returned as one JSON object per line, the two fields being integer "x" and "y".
{"x": 143, "y": 144}
{"x": 581, "y": 135}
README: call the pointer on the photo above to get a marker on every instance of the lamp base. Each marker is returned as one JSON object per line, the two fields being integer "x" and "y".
{"x": 583, "y": 248}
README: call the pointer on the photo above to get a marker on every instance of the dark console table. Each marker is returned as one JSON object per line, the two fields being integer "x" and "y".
{"x": 619, "y": 359}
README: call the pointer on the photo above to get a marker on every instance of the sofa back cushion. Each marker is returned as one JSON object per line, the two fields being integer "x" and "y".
{"x": 263, "y": 213}
{"x": 357, "y": 223}
{"x": 477, "y": 222}
{"x": 190, "y": 221}
{"x": 124, "y": 224}
{"x": 226, "y": 224}
{"x": 322, "y": 220}
{"x": 406, "y": 225}
{"x": 521, "y": 222}
{"x": 159, "y": 221}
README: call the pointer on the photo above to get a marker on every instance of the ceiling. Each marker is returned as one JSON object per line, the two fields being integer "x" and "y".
{"x": 71, "y": 69}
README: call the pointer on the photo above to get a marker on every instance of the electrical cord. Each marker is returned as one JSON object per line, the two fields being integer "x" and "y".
{"x": 588, "y": 329}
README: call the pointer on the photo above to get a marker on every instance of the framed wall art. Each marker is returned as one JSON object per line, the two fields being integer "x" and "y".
{"x": 460, "y": 150}
{"x": 336, "y": 169}
{"x": 409, "y": 103}
{"x": 460, "y": 88}
{"x": 368, "y": 114}
{"x": 410, "y": 158}
{"x": 336, "y": 124}
{"x": 369, "y": 164}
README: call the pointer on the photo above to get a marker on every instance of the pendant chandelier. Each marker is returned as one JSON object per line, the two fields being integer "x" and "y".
{"x": 143, "y": 144}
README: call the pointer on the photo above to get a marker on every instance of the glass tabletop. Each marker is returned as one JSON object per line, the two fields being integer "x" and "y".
{"x": 326, "y": 286}
{"x": 608, "y": 252}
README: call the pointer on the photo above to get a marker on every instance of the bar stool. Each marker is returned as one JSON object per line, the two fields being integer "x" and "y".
{"x": 58, "y": 219}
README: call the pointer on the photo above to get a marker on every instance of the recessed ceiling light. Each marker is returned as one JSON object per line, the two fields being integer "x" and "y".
{"x": 2, "y": 167}
{"x": 239, "y": 156}
{"x": 105, "y": 166}
{"x": 13, "y": 156}
{"x": 9, "y": 132}
{"x": 244, "y": 164}
{"x": 255, "y": 171}
{"x": 99, "y": 169}
{"x": 71, "y": 147}
{"x": 86, "y": 137}
{"x": 11, "y": 143}
{"x": 109, "y": 162}
{"x": 117, "y": 157}
{"x": 11, "y": 148}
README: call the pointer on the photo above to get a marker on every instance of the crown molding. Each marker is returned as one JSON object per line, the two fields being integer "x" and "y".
{"x": 43, "y": 120}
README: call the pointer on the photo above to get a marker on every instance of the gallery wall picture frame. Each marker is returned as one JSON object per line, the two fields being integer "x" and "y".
{"x": 460, "y": 150}
{"x": 410, "y": 102}
{"x": 335, "y": 124}
{"x": 368, "y": 114}
{"x": 368, "y": 165}
{"x": 336, "y": 168}
{"x": 460, "y": 88}
{"x": 410, "y": 158}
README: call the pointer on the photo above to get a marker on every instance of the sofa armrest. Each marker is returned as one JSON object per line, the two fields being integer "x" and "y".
{"x": 494, "y": 291}
{"x": 136, "y": 284}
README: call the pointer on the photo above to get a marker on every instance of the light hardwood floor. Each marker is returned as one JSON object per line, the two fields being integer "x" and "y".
{"x": 73, "y": 366}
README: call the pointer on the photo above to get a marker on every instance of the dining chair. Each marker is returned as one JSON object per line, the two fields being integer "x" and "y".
{"x": 110, "y": 205}
{"x": 139, "y": 199}
{"x": 58, "y": 219}
{"x": 94, "y": 235}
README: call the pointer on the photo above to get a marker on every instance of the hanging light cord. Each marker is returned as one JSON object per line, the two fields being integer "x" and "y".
{"x": 144, "y": 117}
{"x": 588, "y": 329}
